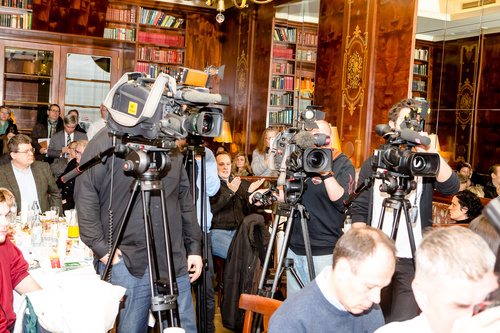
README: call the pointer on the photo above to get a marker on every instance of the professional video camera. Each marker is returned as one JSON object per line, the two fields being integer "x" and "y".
{"x": 292, "y": 149}
{"x": 159, "y": 108}
{"x": 402, "y": 161}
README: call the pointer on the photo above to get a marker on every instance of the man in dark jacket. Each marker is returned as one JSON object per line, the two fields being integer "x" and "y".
{"x": 45, "y": 129}
{"x": 94, "y": 196}
{"x": 398, "y": 302}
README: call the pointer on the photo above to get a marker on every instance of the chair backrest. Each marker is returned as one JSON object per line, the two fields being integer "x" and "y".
{"x": 259, "y": 304}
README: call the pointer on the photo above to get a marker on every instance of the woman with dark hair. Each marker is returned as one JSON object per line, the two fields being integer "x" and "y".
{"x": 465, "y": 206}
{"x": 241, "y": 166}
{"x": 260, "y": 154}
{"x": 7, "y": 128}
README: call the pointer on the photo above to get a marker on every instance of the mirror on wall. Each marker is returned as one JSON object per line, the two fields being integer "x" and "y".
{"x": 293, "y": 61}
{"x": 456, "y": 70}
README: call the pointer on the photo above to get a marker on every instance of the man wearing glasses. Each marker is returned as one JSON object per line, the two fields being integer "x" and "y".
{"x": 44, "y": 130}
{"x": 27, "y": 179}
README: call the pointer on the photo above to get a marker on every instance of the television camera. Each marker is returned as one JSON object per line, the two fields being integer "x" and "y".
{"x": 158, "y": 108}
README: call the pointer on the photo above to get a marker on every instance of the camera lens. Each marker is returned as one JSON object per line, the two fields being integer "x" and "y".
{"x": 419, "y": 163}
{"x": 316, "y": 159}
{"x": 207, "y": 124}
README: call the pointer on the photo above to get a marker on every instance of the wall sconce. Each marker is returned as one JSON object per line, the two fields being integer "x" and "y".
{"x": 225, "y": 136}
{"x": 335, "y": 140}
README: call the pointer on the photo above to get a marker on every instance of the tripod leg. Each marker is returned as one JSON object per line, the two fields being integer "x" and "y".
{"x": 282, "y": 254}
{"x": 121, "y": 228}
{"x": 395, "y": 221}
{"x": 411, "y": 237}
{"x": 307, "y": 243}
{"x": 269, "y": 252}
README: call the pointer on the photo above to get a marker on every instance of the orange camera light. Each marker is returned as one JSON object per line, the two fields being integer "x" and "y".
{"x": 195, "y": 78}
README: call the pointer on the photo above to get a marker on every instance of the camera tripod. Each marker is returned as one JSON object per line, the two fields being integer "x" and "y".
{"x": 193, "y": 149}
{"x": 148, "y": 168}
{"x": 292, "y": 206}
{"x": 397, "y": 186}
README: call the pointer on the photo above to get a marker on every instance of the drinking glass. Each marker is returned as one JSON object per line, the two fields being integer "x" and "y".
{"x": 54, "y": 213}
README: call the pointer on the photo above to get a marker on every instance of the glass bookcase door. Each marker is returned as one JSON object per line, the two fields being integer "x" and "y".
{"x": 89, "y": 78}
{"x": 28, "y": 82}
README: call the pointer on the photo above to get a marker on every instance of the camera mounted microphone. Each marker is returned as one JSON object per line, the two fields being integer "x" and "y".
{"x": 304, "y": 140}
{"x": 413, "y": 137}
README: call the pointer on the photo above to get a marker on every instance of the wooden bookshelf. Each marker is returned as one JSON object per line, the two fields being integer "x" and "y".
{"x": 19, "y": 16}
{"x": 293, "y": 65}
{"x": 158, "y": 34}
{"x": 422, "y": 70}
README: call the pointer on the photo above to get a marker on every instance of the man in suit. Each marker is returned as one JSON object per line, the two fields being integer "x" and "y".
{"x": 60, "y": 141}
{"x": 27, "y": 179}
{"x": 45, "y": 129}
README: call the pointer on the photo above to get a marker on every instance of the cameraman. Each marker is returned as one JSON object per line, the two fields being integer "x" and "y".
{"x": 398, "y": 302}
{"x": 106, "y": 187}
{"x": 323, "y": 199}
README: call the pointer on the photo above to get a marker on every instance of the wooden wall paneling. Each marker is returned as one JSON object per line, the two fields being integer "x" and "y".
{"x": 486, "y": 143}
{"x": 393, "y": 53}
{"x": 260, "y": 60}
{"x": 355, "y": 74}
{"x": 328, "y": 86}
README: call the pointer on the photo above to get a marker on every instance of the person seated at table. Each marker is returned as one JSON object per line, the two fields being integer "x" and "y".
{"x": 59, "y": 142}
{"x": 465, "y": 206}
{"x": 59, "y": 165}
{"x": 27, "y": 179}
{"x": 68, "y": 187}
{"x": 13, "y": 268}
{"x": 229, "y": 206}
{"x": 477, "y": 190}
{"x": 241, "y": 166}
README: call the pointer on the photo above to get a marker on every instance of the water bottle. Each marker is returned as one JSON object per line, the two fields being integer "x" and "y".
{"x": 347, "y": 223}
{"x": 36, "y": 232}
{"x": 35, "y": 208}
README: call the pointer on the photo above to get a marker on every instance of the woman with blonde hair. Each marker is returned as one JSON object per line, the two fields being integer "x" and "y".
{"x": 241, "y": 166}
{"x": 261, "y": 153}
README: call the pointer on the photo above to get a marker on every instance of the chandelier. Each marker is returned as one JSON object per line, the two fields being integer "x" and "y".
{"x": 243, "y": 4}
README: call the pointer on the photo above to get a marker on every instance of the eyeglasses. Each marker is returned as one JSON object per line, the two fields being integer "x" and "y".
{"x": 78, "y": 152}
{"x": 32, "y": 150}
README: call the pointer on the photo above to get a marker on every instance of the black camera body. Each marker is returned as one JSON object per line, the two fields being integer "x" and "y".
{"x": 404, "y": 162}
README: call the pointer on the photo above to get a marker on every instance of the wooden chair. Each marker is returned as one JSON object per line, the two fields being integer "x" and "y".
{"x": 259, "y": 304}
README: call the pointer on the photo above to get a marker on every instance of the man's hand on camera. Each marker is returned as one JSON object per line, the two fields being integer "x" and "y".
{"x": 235, "y": 184}
{"x": 195, "y": 265}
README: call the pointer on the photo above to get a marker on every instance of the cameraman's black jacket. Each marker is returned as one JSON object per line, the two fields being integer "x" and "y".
{"x": 362, "y": 207}
{"x": 229, "y": 208}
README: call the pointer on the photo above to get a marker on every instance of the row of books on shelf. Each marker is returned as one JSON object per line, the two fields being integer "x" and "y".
{"x": 24, "y": 4}
{"x": 422, "y": 54}
{"x": 281, "y": 117}
{"x": 282, "y": 99}
{"x": 173, "y": 56}
{"x": 20, "y": 21}
{"x": 288, "y": 35}
{"x": 420, "y": 69}
{"x": 282, "y": 68}
{"x": 285, "y": 83}
{"x": 164, "y": 39}
{"x": 125, "y": 15}
{"x": 159, "y": 18}
{"x": 308, "y": 38}
{"x": 279, "y": 52}
{"x": 119, "y": 33}
{"x": 419, "y": 85}
{"x": 153, "y": 70}
{"x": 306, "y": 55}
